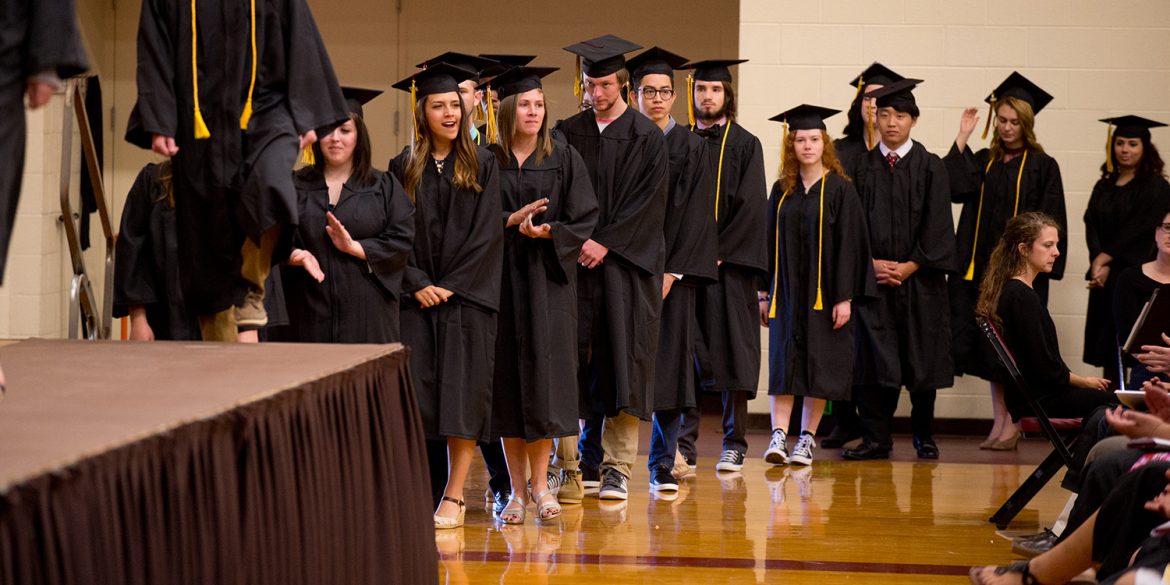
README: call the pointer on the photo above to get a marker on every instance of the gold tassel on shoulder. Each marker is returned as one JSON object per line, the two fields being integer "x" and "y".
{"x": 201, "y": 131}
{"x": 691, "y": 100}
{"x": 307, "y": 156}
{"x": 493, "y": 131}
{"x": 578, "y": 86}
{"x": 414, "y": 110}
{"x": 818, "y": 305}
{"x": 246, "y": 116}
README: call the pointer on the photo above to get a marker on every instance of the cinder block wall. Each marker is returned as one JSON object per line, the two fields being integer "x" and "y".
{"x": 1097, "y": 58}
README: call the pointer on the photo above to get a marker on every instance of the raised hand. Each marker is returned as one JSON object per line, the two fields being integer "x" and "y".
{"x": 308, "y": 261}
{"x": 341, "y": 238}
{"x": 518, "y": 216}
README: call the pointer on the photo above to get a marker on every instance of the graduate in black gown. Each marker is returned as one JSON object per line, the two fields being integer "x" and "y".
{"x": 858, "y": 138}
{"x": 903, "y": 335}
{"x": 549, "y": 210}
{"x": 821, "y": 267}
{"x": 860, "y": 134}
{"x": 489, "y": 102}
{"x": 451, "y": 288}
{"x": 728, "y": 349}
{"x": 1132, "y": 289}
{"x": 619, "y": 286}
{"x": 1014, "y": 175}
{"x": 469, "y": 91}
{"x": 691, "y": 252}
{"x": 1126, "y": 205}
{"x": 343, "y": 278}
{"x": 146, "y": 269}
{"x": 234, "y": 117}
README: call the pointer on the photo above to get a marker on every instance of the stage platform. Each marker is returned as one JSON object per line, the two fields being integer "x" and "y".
{"x": 166, "y": 462}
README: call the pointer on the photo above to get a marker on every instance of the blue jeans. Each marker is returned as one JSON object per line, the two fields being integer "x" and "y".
{"x": 664, "y": 439}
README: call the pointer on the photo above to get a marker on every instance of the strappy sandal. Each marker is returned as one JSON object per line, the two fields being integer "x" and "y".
{"x": 444, "y": 522}
{"x": 547, "y": 511}
{"x": 1020, "y": 567}
{"x": 515, "y": 511}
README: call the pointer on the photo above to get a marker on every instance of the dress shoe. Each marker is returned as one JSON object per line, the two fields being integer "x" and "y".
{"x": 1034, "y": 545}
{"x": 866, "y": 451}
{"x": 500, "y": 500}
{"x": 1006, "y": 444}
{"x": 839, "y": 438}
{"x": 927, "y": 448}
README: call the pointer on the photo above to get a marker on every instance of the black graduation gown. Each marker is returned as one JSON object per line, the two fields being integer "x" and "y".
{"x": 235, "y": 183}
{"x": 36, "y": 36}
{"x": 806, "y": 356}
{"x": 1119, "y": 221}
{"x": 728, "y": 311}
{"x": 620, "y": 301}
{"x": 536, "y": 344}
{"x": 850, "y": 152}
{"x": 1041, "y": 189}
{"x": 691, "y": 250}
{"x": 146, "y": 261}
{"x": 1132, "y": 289}
{"x": 458, "y": 245}
{"x": 358, "y": 300}
{"x": 904, "y": 335}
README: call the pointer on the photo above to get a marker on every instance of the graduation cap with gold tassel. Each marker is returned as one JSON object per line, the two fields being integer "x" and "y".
{"x": 1019, "y": 87}
{"x": 514, "y": 82}
{"x": 805, "y": 117}
{"x": 1128, "y": 126}
{"x": 599, "y": 57}
{"x": 436, "y": 79}
{"x": 355, "y": 98}
{"x": 875, "y": 74}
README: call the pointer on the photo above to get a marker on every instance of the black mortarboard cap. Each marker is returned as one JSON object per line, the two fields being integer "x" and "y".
{"x": 519, "y": 80}
{"x": 1132, "y": 126}
{"x": 805, "y": 117}
{"x": 438, "y": 78}
{"x": 876, "y": 73}
{"x": 654, "y": 60}
{"x": 475, "y": 64}
{"x": 603, "y": 55}
{"x": 504, "y": 62}
{"x": 714, "y": 69}
{"x": 897, "y": 95}
{"x": 356, "y": 97}
{"x": 1020, "y": 87}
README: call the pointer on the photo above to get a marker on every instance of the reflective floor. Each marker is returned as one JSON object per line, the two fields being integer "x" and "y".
{"x": 834, "y": 522}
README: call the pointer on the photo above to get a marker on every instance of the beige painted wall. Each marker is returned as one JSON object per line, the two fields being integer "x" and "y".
{"x": 1098, "y": 58}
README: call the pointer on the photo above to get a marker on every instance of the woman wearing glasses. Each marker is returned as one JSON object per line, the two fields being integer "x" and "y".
{"x": 1133, "y": 289}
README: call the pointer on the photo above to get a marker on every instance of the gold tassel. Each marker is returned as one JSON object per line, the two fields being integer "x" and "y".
{"x": 719, "y": 175}
{"x": 990, "y": 115}
{"x": 201, "y": 131}
{"x": 1109, "y": 150}
{"x": 414, "y": 110}
{"x": 493, "y": 131}
{"x": 307, "y": 156}
{"x": 970, "y": 274}
{"x": 860, "y": 84}
{"x": 630, "y": 96}
{"x": 247, "y": 115}
{"x": 818, "y": 305}
{"x": 783, "y": 143}
{"x": 578, "y": 86}
{"x": 868, "y": 130}
{"x": 776, "y": 258}
{"x": 1019, "y": 179}
{"x": 691, "y": 100}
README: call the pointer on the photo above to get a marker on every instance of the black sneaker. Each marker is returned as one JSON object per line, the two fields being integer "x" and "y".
{"x": 590, "y": 479}
{"x": 662, "y": 481}
{"x": 613, "y": 485}
{"x": 730, "y": 460}
{"x": 500, "y": 500}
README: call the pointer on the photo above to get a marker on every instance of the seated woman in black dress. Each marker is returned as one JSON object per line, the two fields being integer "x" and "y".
{"x": 1027, "y": 248}
{"x": 1133, "y": 289}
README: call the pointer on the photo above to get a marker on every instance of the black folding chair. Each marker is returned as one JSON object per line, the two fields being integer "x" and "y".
{"x": 1061, "y": 455}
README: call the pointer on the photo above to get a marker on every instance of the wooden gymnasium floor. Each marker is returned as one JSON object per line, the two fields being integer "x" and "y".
{"x": 897, "y": 521}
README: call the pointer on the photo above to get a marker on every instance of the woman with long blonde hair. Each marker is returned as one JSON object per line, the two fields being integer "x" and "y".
{"x": 820, "y": 265}
{"x": 451, "y": 286}
{"x": 1012, "y": 176}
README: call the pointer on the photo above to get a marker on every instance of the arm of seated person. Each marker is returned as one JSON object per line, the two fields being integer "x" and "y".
{"x": 1137, "y": 425}
{"x": 1089, "y": 383}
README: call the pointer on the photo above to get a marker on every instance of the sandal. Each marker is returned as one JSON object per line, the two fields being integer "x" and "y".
{"x": 444, "y": 522}
{"x": 547, "y": 511}
{"x": 1020, "y": 567}
{"x": 514, "y": 512}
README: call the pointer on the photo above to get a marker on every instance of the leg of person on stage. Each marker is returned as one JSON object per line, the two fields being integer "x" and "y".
{"x": 922, "y": 422}
{"x": 876, "y": 406}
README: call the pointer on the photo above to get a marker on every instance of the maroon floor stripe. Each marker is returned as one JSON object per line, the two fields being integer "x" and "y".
{"x": 708, "y": 563}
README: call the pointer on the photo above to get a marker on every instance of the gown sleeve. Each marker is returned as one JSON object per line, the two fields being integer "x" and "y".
{"x": 314, "y": 96}
{"x": 739, "y": 239}
{"x": 1052, "y": 204}
{"x": 1092, "y": 239}
{"x": 135, "y": 276}
{"x": 578, "y": 214}
{"x": 156, "y": 111}
{"x": 965, "y": 174}
{"x": 387, "y": 253}
{"x": 1152, "y": 206}
{"x": 635, "y": 232}
{"x": 934, "y": 245}
{"x": 853, "y": 270}
{"x": 53, "y": 42}
{"x": 692, "y": 238}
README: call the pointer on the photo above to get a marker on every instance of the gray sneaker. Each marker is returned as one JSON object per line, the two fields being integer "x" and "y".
{"x": 802, "y": 454}
{"x": 613, "y": 485}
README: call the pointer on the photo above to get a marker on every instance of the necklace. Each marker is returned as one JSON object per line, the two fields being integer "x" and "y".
{"x": 439, "y": 165}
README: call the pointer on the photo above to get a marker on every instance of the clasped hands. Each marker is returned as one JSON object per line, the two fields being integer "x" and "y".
{"x": 523, "y": 218}
{"x": 891, "y": 273}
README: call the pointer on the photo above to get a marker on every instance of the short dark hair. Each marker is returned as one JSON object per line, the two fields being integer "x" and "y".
{"x": 907, "y": 108}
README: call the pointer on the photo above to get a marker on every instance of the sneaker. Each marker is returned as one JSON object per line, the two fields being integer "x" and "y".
{"x": 251, "y": 313}
{"x": 730, "y": 460}
{"x": 777, "y": 453}
{"x": 803, "y": 477}
{"x": 683, "y": 467}
{"x": 571, "y": 492}
{"x": 802, "y": 454}
{"x": 662, "y": 481}
{"x": 499, "y": 500}
{"x": 590, "y": 479}
{"x": 554, "y": 481}
{"x": 613, "y": 485}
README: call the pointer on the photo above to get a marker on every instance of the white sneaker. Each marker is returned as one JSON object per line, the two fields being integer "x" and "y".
{"x": 777, "y": 453}
{"x": 802, "y": 454}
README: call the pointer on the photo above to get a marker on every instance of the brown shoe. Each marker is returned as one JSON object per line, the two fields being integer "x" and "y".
{"x": 572, "y": 492}
{"x": 251, "y": 313}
